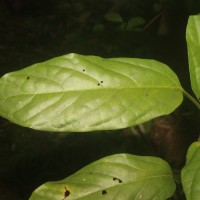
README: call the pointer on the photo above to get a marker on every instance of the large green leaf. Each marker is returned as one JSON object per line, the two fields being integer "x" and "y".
{"x": 193, "y": 42}
{"x": 190, "y": 174}
{"x": 86, "y": 93}
{"x": 117, "y": 177}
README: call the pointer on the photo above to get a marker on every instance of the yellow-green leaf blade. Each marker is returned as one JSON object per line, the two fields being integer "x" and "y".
{"x": 87, "y": 93}
{"x": 193, "y": 42}
{"x": 190, "y": 174}
{"x": 117, "y": 177}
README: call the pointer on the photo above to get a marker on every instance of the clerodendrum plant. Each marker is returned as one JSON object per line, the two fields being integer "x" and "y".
{"x": 89, "y": 93}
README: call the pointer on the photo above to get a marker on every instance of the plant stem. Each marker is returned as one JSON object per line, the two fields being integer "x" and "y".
{"x": 194, "y": 101}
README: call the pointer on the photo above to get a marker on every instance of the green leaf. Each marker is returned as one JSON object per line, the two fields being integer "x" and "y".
{"x": 117, "y": 177}
{"x": 190, "y": 174}
{"x": 135, "y": 21}
{"x": 114, "y": 17}
{"x": 87, "y": 93}
{"x": 193, "y": 42}
{"x": 132, "y": 24}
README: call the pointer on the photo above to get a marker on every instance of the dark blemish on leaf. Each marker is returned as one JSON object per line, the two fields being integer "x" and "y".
{"x": 103, "y": 192}
{"x": 101, "y": 81}
{"x": 91, "y": 173}
{"x": 117, "y": 179}
{"x": 66, "y": 194}
{"x": 27, "y": 78}
{"x": 146, "y": 94}
{"x": 98, "y": 84}
{"x": 83, "y": 70}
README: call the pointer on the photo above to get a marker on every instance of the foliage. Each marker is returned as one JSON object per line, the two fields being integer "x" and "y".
{"x": 121, "y": 176}
{"x": 14, "y": 88}
{"x": 193, "y": 35}
{"x": 87, "y": 93}
{"x": 190, "y": 173}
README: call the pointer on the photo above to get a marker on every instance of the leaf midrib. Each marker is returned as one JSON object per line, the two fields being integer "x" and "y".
{"x": 92, "y": 89}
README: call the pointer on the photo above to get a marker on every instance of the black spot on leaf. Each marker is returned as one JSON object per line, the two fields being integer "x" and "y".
{"x": 117, "y": 179}
{"x": 27, "y": 78}
{"x": 66, "y": 194}
{"x": 101, "y": 81}
{"x": 103, "y": 192}
{"x": 83, "y": 70}
{"x": 98, "y": 84}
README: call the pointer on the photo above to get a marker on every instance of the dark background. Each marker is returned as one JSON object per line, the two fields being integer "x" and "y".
{"x": 34, "y": 31}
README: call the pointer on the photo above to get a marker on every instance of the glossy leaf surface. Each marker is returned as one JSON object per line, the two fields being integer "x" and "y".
{"x": 193, "y": 42}
{"x": 87, "y": 93}
{"x": 117, "y": 177}
{"x": 190, "y": 174}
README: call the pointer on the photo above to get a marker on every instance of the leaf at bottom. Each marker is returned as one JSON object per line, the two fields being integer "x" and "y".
{"x": 117, "y": 177}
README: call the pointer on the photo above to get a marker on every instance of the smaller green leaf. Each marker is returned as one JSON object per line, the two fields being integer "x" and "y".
{"x": 133, "y": 24}
{"x": 114, "y": 17}
{"x": 117, "y": 177}
{"x": 190, "y": 174}
{"x": 193, "y": 42}
{"x": 136, "y": 21}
